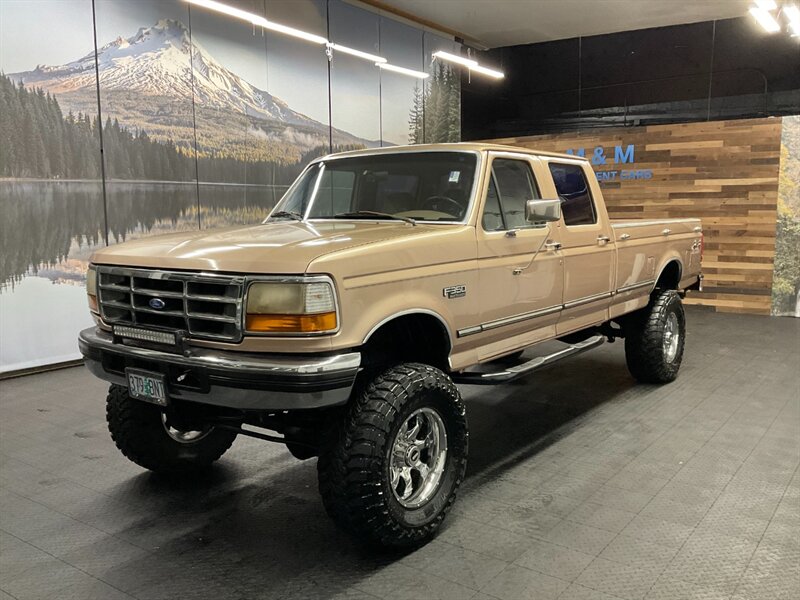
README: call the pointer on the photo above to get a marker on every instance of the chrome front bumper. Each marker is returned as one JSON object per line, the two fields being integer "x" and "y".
{"x": 228, "y": 379}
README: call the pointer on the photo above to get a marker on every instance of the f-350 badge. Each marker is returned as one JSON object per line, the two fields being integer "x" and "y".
{"x": 455, "y": 291}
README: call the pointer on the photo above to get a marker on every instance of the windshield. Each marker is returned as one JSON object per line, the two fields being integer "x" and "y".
{"x": 423, "y": 186}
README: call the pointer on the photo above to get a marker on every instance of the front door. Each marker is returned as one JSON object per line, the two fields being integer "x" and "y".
{"x": 520, "y": 268}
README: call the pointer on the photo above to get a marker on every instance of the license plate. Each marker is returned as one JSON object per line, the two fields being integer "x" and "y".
{"x": 147, "y": 386}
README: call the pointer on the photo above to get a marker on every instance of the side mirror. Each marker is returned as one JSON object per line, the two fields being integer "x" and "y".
{"x": 537, "y": 211}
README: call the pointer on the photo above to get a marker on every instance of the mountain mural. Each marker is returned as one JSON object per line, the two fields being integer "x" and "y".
{"x": 148, "y": 82}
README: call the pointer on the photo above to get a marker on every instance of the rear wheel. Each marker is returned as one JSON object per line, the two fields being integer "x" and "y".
{"x": 654, "y": 339}
{"x": 158, "y": 441}
{"x": 390, "y": 470}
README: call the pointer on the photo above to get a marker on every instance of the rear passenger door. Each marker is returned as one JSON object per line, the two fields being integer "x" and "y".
{"x": 520, "y": 276}
{"x": 587, "y": 245}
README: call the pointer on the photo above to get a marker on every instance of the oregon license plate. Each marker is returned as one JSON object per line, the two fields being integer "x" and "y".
{"x": 147, "y": 386}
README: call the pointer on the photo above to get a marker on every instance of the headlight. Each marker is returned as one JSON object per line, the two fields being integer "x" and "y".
{"x": 291, "y": 307}
{"x": 91, "y": 288}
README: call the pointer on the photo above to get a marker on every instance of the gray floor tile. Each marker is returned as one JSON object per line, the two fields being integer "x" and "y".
{"x": 618, "y": 579}
{"x": 519, "y": 583}
{"x": 583, "y": 538}
{"x": 555, "y": 560}
{"x": 602, "y": 517}
{"x": 638, "y": 553}
{"x": 591, "y": 485}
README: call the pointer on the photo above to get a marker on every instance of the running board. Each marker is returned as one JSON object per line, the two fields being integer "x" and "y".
{"x": 529, "y": 367}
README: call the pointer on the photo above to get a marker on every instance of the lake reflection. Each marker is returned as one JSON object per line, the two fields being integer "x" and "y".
{"x": 53, "y": 226}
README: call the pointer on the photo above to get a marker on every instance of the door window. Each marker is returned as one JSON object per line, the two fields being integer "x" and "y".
{"x": 510, "y": 188}
{"x": 577, "y": 206}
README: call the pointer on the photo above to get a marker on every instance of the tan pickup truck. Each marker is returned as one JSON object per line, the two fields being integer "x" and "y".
{"x": 343, "y": 322}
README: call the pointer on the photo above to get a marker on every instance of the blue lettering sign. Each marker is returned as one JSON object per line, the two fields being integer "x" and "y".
{"x": 625, "y": 156}
{"x": 603, "y": 176}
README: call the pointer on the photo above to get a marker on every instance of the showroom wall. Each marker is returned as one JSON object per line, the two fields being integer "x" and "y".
{"x": 613, "y": 90}
{"x": 709, "y": 71}
{"x": 740, "y": 177}
{"x": 203, "y": 121}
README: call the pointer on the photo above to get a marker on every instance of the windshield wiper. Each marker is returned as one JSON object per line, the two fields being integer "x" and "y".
{"x": 288, "y": 214}
{"x": 373, "y": 213}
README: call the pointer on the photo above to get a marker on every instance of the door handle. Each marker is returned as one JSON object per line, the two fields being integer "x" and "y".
{"x": 625, "y": 236}
{"x": 667, "y": 231}
{"x": 553, "y": 245}
{"x": 603, "y": 239}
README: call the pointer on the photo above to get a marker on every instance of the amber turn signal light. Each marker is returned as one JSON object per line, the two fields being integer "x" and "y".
{"x": 291, "y": 323}
{"x": 93, "y": 303}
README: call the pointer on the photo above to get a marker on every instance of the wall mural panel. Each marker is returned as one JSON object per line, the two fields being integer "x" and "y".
{"x": 183, "y": 93}
{"x": 355, "y": 81}
{"x": 145, "y": 70}
{"x": 233, "y": 113}
{"x": 401, "y": 45}
{"x": 297, "y": 76}
{"x": 786, "y": 281}
{"x": 441, "y": 102}
{"x": 51, "y": 197}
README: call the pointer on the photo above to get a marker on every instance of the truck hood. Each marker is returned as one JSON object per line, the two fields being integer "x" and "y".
{"x": 283, "y": 247}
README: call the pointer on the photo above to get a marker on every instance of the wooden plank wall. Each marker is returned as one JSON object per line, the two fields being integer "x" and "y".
{"x": 724, "y": 172}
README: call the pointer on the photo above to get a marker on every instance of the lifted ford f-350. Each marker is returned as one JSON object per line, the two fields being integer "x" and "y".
{"x": 342, "y": 323}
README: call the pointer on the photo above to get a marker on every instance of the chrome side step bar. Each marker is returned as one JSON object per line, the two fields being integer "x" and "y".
{"x": 529, "y": 367}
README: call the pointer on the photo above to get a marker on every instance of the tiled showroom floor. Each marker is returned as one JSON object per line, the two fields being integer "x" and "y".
{"x": 581, "y": 484}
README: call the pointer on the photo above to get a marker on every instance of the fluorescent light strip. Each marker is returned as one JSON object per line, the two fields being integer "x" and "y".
{"x": 378, "y": 60}
{"x": 303, "y": 35}
{"x": 766, "y": 20}
{"x": 258, "y": 20}
{"x": 461, "y": 60}
{"x": 402, "y": 70}
{"x": 793, "y": 14}
{"x": 471, "y": 64}
{"x": 489, "y": 72}
{"x": 766, "y": 4}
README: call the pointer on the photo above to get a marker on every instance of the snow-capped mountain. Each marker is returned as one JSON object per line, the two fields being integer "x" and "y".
{"x": 148, "y": 80}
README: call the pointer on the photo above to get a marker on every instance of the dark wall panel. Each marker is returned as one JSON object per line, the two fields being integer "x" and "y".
{"x": 695, "y": 72}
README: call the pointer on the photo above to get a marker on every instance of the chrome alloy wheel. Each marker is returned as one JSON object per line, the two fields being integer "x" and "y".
{"x": 417, "y": 461}
{"x": 184, "y": 437}
{"x": 672, "y": 337}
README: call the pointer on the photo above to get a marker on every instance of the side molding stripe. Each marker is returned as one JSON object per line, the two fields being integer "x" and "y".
{"x": 489, "y": 325}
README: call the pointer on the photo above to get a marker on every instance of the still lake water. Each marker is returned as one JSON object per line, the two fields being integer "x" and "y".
{"x": 48, "y": 230}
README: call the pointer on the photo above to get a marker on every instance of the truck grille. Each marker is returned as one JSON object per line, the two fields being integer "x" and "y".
{"x": 205, "y": 306}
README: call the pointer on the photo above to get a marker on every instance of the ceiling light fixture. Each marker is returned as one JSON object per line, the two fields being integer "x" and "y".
{"x": 487, "y": 71}
{"x": 471, "y": 64}
{"x": 461, "y": 60}
{"x": 793, "y": 14}
{"x": 766, "y": 20}
{"x": 378, "y": 60}
{"x": 766, "y": 4}
{"x": 403, "y": 70}
{"x": 258, "y": 20}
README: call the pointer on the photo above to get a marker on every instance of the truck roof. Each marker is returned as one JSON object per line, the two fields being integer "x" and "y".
{"x": 454, "y": 147}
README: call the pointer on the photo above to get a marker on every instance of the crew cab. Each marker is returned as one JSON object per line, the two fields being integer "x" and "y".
{"x": 343, "y": 323}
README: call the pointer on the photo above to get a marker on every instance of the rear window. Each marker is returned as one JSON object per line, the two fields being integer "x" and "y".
{"x": 577, "y": 205}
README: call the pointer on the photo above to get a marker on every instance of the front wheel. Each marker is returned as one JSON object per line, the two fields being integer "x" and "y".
{"x": 390, "y": 471}
{"x": 149, "y": 438}
{"x": 655, "y": 337}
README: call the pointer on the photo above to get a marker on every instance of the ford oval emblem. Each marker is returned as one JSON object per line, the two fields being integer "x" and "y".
{"x": 157, "y": 303}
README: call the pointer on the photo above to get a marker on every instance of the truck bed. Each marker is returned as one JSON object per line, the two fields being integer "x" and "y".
{"x": 645, "y": 247}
